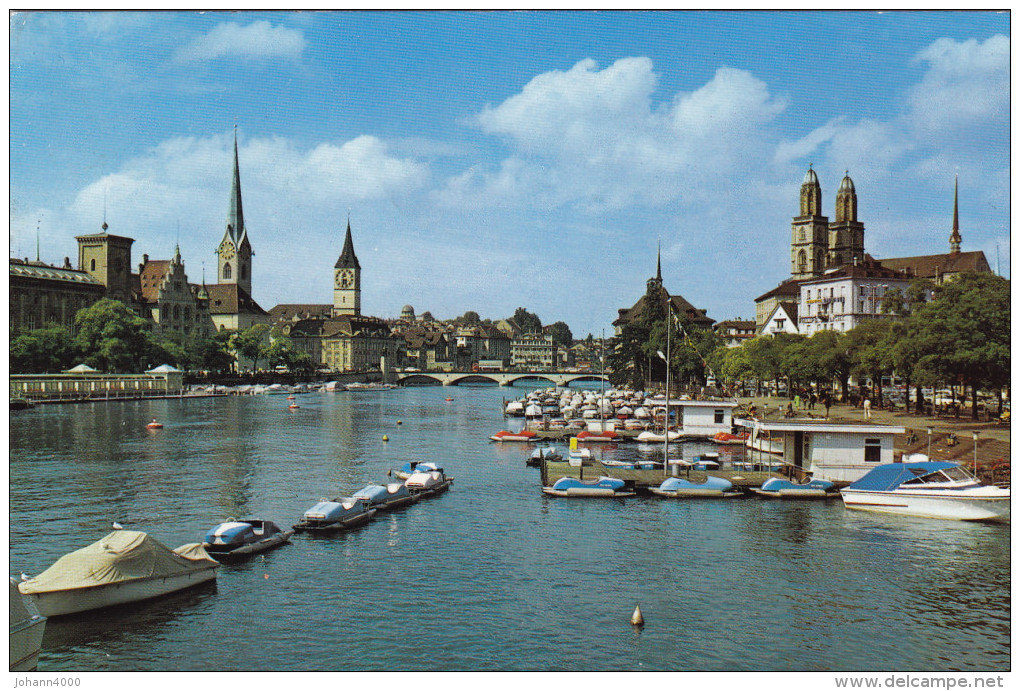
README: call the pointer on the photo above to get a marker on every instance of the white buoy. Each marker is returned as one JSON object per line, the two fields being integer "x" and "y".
{"x": 637, "y": 619}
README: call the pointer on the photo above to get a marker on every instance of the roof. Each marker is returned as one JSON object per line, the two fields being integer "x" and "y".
{"x": 680, "y": 306}
{"x": 151, "y": 276}
{"x": 736, "y": 324}
{"x": 350, "y": 325}
{"x": 789, "y": 309}
{"x": 931, "y": 265}
{"x": 885, "y": 478}
{"x": 869, "y": 268}
{"x": 348, "y": 260}
{"x": 817, "y": 426}
{"x": 298, "y": 311}
{"x": 51, "y": 273}
{"x": 790, "y": 286}
{"x": 163, "y": 369}
{"x": 230, "y": 298}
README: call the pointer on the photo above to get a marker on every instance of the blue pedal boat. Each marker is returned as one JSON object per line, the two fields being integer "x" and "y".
{"x": 712, "y": 487}
{"x": 781, "y": 488}
{"x": 601, "y": 487}
{"x": 330, "y": 516}
{"x": 412, "y": 467}
{"x": 244, "y": 537}
{"x": 386, "y": 497}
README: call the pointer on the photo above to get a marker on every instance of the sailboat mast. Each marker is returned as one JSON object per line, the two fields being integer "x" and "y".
{"x": 665, "y": 435}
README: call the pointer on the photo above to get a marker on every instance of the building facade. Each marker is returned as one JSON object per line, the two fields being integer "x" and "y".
{"x": 166, "y": 298}
{"x": 42, "y": 294}
{"x": 847, "y": 296}
{"x": 533, "y": 351}
{"x": 734, "y": 332}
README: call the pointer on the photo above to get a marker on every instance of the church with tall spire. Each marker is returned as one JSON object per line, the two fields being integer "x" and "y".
{"x": 654, "y": 287}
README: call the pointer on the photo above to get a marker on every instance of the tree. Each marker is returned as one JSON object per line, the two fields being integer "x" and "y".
{"x": 112, "y": 338}
{"x": 827, "y": 352}
{"x": 49, "y": 349}
{"x": 964, "y": 333}
{"x": 469, "y": 318}
{"x": 249, "y": 343}
{"x": 561, "y": 333}
{"x": 868, "y": 348}
{"x": 529, "y": 322}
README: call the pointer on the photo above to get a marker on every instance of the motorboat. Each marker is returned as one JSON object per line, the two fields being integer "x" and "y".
{"x": 330, "y": 516}
{"x": 544, "y": 453}
{"x": 725, "y": 438}
{"x": 648, "y": 437}
{"x": 27, "y": 627}
{"x": 600, "y": 487}
{"x": 386, "y": 497}
{"x": 125, "y": 566}
{"x": 779, "y": 487}
{"x": 706, "y": 461}
{"x": 506, "y": 435}
{"x": 428, "y": 483}
{"x": 602, "y": 436}
{"x": 711, "y": 487}
{"x": 240, "y": 538}
{"x": 931, "y": 489}
{"x": 633, "y": 465}
{"x": 412, "y": 467}
{"x": 514, "y": 409}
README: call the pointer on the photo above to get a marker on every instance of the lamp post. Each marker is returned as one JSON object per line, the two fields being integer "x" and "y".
{"x": 665, "y": 432}
{"x": 929, "y": 443}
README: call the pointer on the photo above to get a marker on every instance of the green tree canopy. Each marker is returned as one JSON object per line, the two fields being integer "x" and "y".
{"x": 112, "y": 338}
{"x": 561, "y": 333}
{"x": 250, "y": 343}
{"x": 528, "y": 321}
{"x": 50, "y": 349}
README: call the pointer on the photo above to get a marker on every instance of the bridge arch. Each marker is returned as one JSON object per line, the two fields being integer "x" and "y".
{"x": 420, "y": 379}
{"x": 471, "y": 378}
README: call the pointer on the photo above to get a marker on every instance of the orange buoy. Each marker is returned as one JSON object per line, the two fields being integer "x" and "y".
{"x": 292, "y": 406}
{"x": 449, "y": 399}
{"x": 154, "y": 424}
{"x": 291, "y": 397}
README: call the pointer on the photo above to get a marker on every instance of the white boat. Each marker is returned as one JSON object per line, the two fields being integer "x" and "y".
{"x": 650, "y": 437}
{"x": 125, "y": 566}
{"x": 760, "y": 440}
{"x": 930, "y": 489}
{"x": 27, "y": 627}
{"x": 428, "y": 483}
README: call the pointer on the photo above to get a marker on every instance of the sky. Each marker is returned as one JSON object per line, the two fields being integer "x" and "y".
{"x": 489, "y": 161}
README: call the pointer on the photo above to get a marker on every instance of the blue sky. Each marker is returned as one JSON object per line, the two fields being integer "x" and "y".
{"x": 505, "y": 159}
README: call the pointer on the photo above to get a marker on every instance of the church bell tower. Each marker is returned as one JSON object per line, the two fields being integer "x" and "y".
{"x": 234, "y": 251}
{"x": 347, "y": 280}
{"x": 809, "y": 241}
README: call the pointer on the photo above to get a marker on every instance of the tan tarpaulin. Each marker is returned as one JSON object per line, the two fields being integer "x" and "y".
{"x": 123, "y": 555}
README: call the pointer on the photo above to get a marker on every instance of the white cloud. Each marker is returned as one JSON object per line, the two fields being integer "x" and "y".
{"x": 257, "y": 40}
{"x": 967, "y": 82}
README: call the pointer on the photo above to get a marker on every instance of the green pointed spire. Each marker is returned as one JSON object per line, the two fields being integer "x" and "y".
{"x": 348, "y": 260}
{"x": 235, "y": 212}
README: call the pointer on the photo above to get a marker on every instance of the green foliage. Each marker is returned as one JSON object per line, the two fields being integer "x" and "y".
{"x": 50, "y": 349}
{"x": 529, "y": 322}
{"x": 250, "y": 343}
{"x": 469, "y": 318}
{"x": 280, "y": 351}
{"x": 112, "y": 338}
{"x": 561, "y": 334}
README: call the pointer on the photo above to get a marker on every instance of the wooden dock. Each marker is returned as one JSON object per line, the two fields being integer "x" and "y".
{"x": 643, "y": 479}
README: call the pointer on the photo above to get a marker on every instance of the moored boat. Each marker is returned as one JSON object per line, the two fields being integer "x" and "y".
{"x": 711, "y": 487}
{"x": 705, "y": 461}
{"x": 725, "y": 438}
{"x": 929, "y": 489}
{"x": 547, "y": 453}
{"x": 387, "y": 497}
{"x": 602, "y": 436}
{"x": 27, "y": 627}
{"x": 778, "y": 487}
{"x": 506, "y": 435}
{"x": 125, "y": 566}
{"x": 428, "y": 483}
{"x": 412, "y": 467}
{"x": 651, "y": 437}
{"x": 601, "y": 487}
{"x": 240, "y": 538}
{"x": 330, "y": 516}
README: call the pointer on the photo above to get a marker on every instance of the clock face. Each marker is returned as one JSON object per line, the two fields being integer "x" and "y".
{"x": 227, "y": 251}
{"x": 344, "y": 279}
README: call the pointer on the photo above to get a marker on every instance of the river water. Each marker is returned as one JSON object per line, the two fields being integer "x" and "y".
{"x": 492, "y": 575}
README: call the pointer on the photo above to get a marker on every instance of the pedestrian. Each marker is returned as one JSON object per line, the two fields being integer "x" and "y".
{"x": 812, "y": 399}
{"x": 826, "y": 402}
{"x": 796, "y": 401}
{"x": 867, "y": 408}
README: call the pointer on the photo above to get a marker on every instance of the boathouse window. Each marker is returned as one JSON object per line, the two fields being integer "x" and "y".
{"x": 718, "y": 417}
{"x": 872, "y": 450}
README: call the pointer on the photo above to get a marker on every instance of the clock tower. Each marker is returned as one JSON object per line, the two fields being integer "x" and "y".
{"x": 234, "y": 251}
{"x": 347, "y": 280}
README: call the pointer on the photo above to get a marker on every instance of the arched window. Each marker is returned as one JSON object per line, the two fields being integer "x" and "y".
{"x": 93, "y": 265}
{"x": 226, "y": 271}
{"x": 802, "y": 261}
{"x": 187, "y": 313}
{"x": 177, "y": 312}
{"x": 802, "y": 237}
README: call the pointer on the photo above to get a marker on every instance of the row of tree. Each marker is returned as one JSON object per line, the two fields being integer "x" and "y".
{"x": 960, "y": 337}
{"x": 112, "y": 338}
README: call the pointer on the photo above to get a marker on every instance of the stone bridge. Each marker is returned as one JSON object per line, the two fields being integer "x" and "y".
{"x": 501, "y": 378}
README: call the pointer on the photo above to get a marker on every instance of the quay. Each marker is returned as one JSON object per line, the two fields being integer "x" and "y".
{"x": 643, "y": 479}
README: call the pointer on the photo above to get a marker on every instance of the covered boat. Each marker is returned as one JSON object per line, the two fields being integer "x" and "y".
{"x": 725, "y": 438}
{"x": 547, "y": 453}
{"x": 506, "y": 435}
{"x": 787, "y": 489}
{"x": 930, "y": 489}
{"x": 393, "y": 495}
{"x": 240, "y": 538}
{"x": 711, "y": 487}
{"x": 329, "y": 516}
{"x": 607, "y": 435}
{"x": 648, "y": 437}
{"x": 428, "y": 483}
{"x": 27, "y": 627}
{"x": 125, "y": 566}
{"x": 412, "y": 467}
{"x": 602, "y": 487}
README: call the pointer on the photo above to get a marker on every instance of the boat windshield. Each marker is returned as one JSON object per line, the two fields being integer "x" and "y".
{"x": 944, "y": 475}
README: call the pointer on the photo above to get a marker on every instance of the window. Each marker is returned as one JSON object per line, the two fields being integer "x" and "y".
{"x": 718, "y": 417}
{"x": 92, "y": 265}
{"x": 872, "y": 450}
{"x": 226, "y": 271}
{"x": 244, "y": 271}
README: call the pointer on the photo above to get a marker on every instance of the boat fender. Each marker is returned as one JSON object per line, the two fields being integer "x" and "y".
{"x": 637, "y": 619}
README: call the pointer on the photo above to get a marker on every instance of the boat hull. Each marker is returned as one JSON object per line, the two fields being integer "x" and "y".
{"x": 336, "y": 526}
{"x": 696, "y": 492}
{"x": 587, "y": 492}
{"x": 25, "y": 643}
{"x": 251, "y": 548}
{"x": 438, "y": 488}
{"x": 806, "y": 493}
{"x": 62, "y": 602}
{"x": 929, "y": 505}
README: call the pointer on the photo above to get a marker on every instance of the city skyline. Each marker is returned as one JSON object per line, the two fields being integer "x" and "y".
{"x": 496, "y": 160}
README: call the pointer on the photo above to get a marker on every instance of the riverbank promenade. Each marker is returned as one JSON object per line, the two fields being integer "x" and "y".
{"x": 993, "y": 437}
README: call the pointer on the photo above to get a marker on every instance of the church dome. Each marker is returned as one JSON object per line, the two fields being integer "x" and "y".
{"x": 847, "y": 185}
{"x": 810, "y": 178}
{"x": 407, "y": 312}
